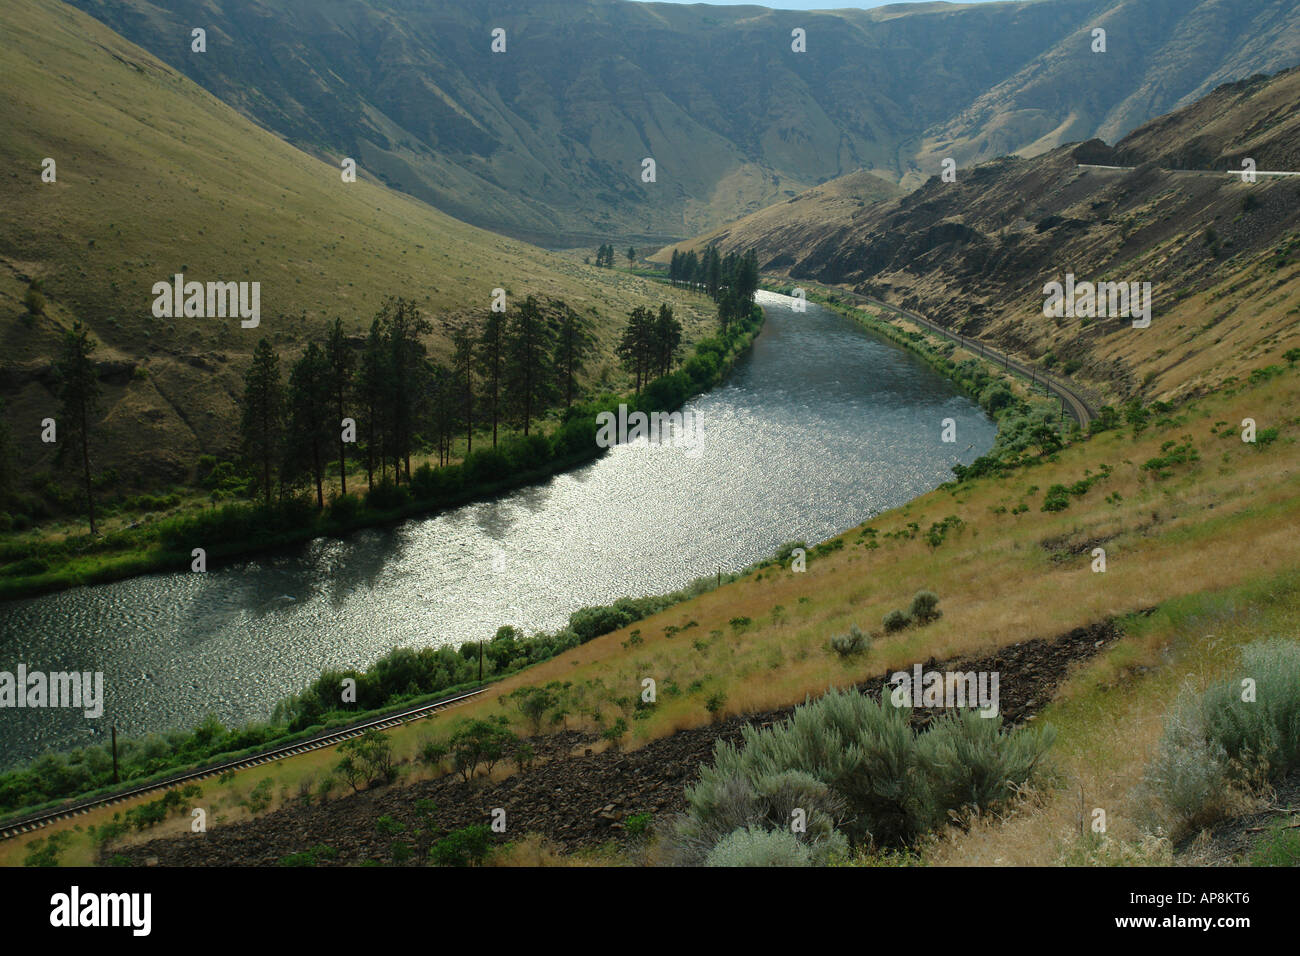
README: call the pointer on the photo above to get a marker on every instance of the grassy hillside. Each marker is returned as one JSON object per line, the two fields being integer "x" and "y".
{"x": 1195, "y": 523}
{"x": 546, "y": 140}
{"x": 156, "y": 176}
{"x": 1222, "y": 255}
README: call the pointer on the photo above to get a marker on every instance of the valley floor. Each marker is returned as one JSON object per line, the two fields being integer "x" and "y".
{"x": 1197, "y": 527}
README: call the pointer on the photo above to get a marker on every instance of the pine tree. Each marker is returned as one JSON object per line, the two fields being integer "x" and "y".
{"x": 636, "y": 346}
{"x": 462, "y": 368}
{"x": 263, "y": 421}
{"x": 443, "y": 400}
{"x": 491, "y": 364}
{"x": 667, "y": 338}
{"x": 372, "y": 381}
{"x": 342, "y": 362}
{"x": 573, "y": 341}
{"x": 405, "y": 391}
{"x": 529, "y": 352}
{"x": 310, "y": 399}
{"x": 79, "y": 394}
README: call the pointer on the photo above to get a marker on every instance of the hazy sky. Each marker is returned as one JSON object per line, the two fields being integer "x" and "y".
{"x": 806, "y": 4}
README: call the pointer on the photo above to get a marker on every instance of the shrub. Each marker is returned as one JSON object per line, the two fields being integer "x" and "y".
{"x": 592, "y": 622}
{"x": 997, "y": 397}
{"x": 854, "y": 642}
{"x": 726, "y": 800}
{"x": 310, "y": 857}
{"x": 432, "y": 753}
{"x": 925, "y": 607}
{"x": 46, "y": 851}
{"x": 480, "y": 741}
{"x": 754, "y": 846}
{"x": 368, "y": 757}
{"x": 615, "y": 731}
{"x": 895, "y": 621}
{"x": 1057, "y": 498}
{"x": 259, "y": 798}
{"x": 715, "y": 703}
{"x": 462, "y": 847}
{"x": 970, "y": 760}
{"x": 638, "y": 824}
{"x": 854, "y": 764}
{"x": 1216, "y": 745}
{"x": 533, "y": 703}
{"x": 387, "y": 496}
{"x": 344, "y": 509}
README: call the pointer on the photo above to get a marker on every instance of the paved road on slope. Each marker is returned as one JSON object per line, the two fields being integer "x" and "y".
{"x": 1071, "y": 400}
{"x": 1196, "y": 172}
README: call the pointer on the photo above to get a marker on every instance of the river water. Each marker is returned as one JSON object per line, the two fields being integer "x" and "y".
{"x": 819, "y": 427}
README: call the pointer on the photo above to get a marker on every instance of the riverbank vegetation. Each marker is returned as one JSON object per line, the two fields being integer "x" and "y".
{"x": 1205, "y": 540}
{"x": 342, "y": 412}
{"x": 1208, "y": 545}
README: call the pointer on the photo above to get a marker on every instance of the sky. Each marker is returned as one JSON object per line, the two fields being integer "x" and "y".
{"x": 806, "y": 4}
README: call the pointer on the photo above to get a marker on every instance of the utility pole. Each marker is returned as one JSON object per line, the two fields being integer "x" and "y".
{"x": 115, "y": 777}
{"x": 480, "y": 662}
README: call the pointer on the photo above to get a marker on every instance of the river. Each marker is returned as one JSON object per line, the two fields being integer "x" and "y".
{"x": 820, "y": 426}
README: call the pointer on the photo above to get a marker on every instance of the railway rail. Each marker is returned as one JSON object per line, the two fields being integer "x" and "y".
{"x": 1071, "y": 401}
{"x": 35, "y": 821}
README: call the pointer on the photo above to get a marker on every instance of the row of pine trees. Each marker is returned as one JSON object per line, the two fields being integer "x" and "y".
{"x": 730, "y": 280}
{"x": 391, "y": 399}
{"x": 510, "y": 370}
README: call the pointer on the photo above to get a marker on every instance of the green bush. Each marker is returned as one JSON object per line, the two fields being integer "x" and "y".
{"x": 387, "y": 496}
{"x": 852, "y": 643}
{"x": 344, "y": 509}
{"x": 46, "y": 851}
{"x": 925, "y": 607}
{"x": 1057, "y": 498}
{"x": 1216, "y": 744}
{"x": 480, "y": 742}
{"x": 462, "y": 847}
{"x": 896, "y": 621}
{"x": 855, "y": 765}
{"x": 754, "y": 846}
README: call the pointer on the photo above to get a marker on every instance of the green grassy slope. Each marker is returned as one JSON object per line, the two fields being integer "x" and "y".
{"x": 1205, "y": 535}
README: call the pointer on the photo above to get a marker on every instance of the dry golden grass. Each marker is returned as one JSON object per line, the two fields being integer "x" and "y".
{"x": 1221, "y": 523}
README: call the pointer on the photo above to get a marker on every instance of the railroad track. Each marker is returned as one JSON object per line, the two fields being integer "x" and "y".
{"x": 36, "y": 821}
{"x": 1071, "y": 401}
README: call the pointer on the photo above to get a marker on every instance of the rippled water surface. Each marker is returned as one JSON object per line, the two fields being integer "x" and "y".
{"x": 821, "y": 426}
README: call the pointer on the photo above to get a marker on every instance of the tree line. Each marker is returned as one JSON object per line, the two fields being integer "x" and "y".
{"x": 605, "y": 256}
{"x": 730, "y": 280}
{"x": 390, "y": 399}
